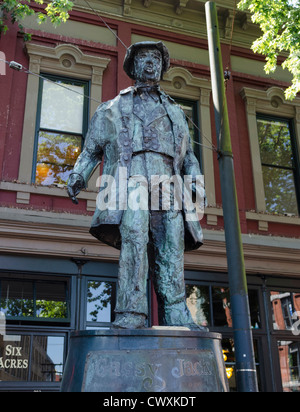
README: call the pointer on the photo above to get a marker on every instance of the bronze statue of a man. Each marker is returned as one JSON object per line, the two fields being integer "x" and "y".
{"x": 143, "y": 133}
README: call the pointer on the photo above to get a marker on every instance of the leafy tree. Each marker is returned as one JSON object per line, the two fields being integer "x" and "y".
{"x": 279, "y": 21}
{"x": 15, "y": 11}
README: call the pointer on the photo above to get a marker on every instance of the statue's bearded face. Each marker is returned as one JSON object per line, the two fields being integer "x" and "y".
{"x": 148, "y": 65}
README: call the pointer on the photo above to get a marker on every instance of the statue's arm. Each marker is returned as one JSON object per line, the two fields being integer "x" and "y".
{"x": 90, "y": 157}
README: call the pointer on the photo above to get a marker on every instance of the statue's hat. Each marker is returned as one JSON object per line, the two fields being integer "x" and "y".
{"x": 129, "y": 58}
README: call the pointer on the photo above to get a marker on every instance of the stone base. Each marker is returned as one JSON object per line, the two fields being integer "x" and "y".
{"x": 145, "y": 360}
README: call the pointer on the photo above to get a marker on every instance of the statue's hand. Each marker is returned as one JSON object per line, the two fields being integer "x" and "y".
{"x": 75, "y": 185}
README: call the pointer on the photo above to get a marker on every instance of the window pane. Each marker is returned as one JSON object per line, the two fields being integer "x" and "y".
{"x": 222, "y": 309}
{"x": 221, "y": 306}
{"x": 47, "y": 358}
{"x": 56, "y": 157}
{"x": 197, "y": 299}
{"x": 275, "y": 142}
{"x": 17, "y": 298}
{"x": 51, "y": 300}
{"x": 289, "y": 358}
{"x": 62, "y": 109}
{"x": 280, "y": 190}
{"x": 34, "y": 299}
{"x": 285, "y": 310}
{"x": 255, "y": 315}
{"x": 100, "y": 301}
{"x": 14, "y": 359}
{"x": 190, "y": 110}
{"x": 229, "y": 359}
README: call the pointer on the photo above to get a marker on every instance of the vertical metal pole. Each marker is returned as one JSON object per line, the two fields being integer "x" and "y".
{"x": 244, "y": 352}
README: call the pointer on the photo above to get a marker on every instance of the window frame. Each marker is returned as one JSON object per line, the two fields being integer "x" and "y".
{"x": 179, "y": 83}
{"x": 266, "y": 336}
{"x": 269, "y": 102}
{"x": 95, "y": 324}
{"x": 34, "y": 281}
{"x": 63, "y": 60}
{"x": 277, "y": 335}
{"x": 53, "y": 78}
{"x": 30, "y": 384}
{"x": 194, "y": 105}
{"x": 296, "y": 159}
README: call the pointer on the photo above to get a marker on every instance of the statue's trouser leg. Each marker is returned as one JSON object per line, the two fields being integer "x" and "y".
{"x": 133, "y": 264}
{"x": 167, "y": 230}
{"x": 167, "y": 236}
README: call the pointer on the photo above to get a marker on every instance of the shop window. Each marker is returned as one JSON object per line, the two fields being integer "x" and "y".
{"x": 229, "y": 360}
{"x": 210, "y": 306}
{"x": 198, "y": 302}
{"x": 221, "y": 306}
{"x": 61, "y": 125}
{"x": 32, "y": 358}
{"x": 48, "y": 358}
{"x": 289, "y": 359}
{"x": 285, "y": 309}
{"x": 279, "y": 165}
{"x": 101, "y": 300}
{"x": 34, "y": 300}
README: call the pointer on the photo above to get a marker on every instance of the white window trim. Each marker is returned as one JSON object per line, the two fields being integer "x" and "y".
{"x": 62, "y": 60}
{"x": 270, "y": 102}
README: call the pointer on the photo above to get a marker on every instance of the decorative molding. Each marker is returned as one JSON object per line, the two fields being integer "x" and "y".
{"x": 180, "y": 6}
{"x": 185, "y": 78}
{"x": 64, "y": 59}
{"x": 147, "y": 3}
{"x": 268, "y": 218}
{"x": 25, "y": 190}
{"x": 228, "y": 20}
{"x": 127, "y": 7}
{"x": 23, "y": 198}
{"x": 245, "y": 21}
{"x": 67, "y": 236}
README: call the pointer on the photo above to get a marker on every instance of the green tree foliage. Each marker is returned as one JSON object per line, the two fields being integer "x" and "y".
{"x": 279, "y": 21}
{"x": 99, "y": 296}
{"x": 15, "y": 11}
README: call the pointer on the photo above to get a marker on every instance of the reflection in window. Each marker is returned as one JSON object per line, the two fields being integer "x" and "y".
{"x": 51, "y": 300}
{"x": 47, "y": 358}
{"x": 210, "y": 305}
{"x": 190, "y": 109}
{"x": 33, "y": 300}
{"x": 221, "y": 306}
{"x": 285, "y": 309}
{"x": 14, "y": 359}
{"x": 197, "y": 299}
{"x": 62, "y": 107}
{"x": 101, "y": 297}
{"x": 278, "y": 165}
{"x": 17, "y": 298}
{"x": 56, "y": 157}
{"x": 229, "y": 359}
{"x": 289, "y": 358}
{"x": 36, "y": 358}
{"x": 62, "y": 122}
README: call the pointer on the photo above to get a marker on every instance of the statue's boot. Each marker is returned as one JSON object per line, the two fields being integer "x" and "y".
{"x": 178, "y": 314}
{"x": 129, "y": 321}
